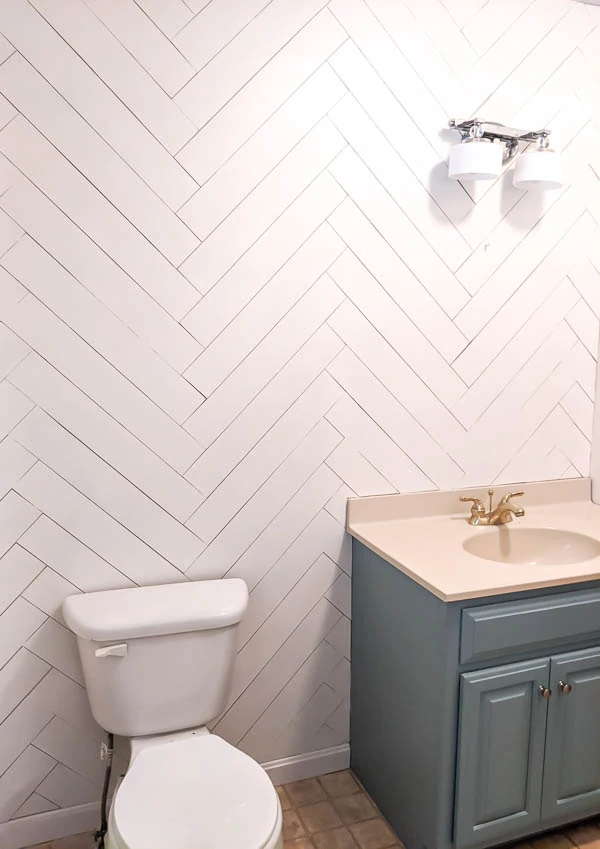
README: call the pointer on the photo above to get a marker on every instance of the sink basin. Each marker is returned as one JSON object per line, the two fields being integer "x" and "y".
{"x": 532, "y": 546}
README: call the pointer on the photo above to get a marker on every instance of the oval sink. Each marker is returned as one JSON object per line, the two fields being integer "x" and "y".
{"x": 532, "y": 546}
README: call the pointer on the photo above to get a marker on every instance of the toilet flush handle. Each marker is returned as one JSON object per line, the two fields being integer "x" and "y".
{"x": 119, "y": 650}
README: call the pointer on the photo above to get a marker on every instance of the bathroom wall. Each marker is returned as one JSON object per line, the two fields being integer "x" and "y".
{"x": 237, "y": 287}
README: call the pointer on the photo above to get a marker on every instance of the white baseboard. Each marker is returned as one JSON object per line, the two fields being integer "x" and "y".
{"x": 52, "y": 825}
{"x": 309, "y": 765}
{"x": 27, "y": 831}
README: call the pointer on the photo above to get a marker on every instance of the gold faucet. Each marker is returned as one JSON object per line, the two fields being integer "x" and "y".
{"x": 500, "y": 515}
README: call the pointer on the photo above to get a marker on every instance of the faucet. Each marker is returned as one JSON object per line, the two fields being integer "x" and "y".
{"x": 500, "y": 515}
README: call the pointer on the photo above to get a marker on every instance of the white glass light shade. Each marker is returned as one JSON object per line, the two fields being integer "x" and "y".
{"x": 476, "y": 160}
{"x": 538, "y": 169}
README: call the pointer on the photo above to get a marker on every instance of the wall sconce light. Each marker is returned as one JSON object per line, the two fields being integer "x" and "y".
{"x": 485, "y": 147}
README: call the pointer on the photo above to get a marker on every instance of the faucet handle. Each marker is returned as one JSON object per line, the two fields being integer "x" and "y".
{"x": 477, "y": 503}
{"x": 515, "y": 494}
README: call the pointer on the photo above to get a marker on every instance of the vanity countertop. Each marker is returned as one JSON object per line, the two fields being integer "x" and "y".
{"x": 422, "y": 535}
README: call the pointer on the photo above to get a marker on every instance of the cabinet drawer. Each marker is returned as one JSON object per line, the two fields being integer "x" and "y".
{"x": 495, "y": 630}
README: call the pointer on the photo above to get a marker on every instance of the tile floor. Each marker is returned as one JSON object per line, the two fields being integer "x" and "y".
{"x": 334, "y": 812}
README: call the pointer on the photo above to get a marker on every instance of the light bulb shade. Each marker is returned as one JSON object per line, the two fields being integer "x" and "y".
{"x": 540, "y": 169}
{"x": 476, "y": 160}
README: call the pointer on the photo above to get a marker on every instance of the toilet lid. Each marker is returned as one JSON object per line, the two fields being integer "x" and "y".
{"x": 197, "y": 793}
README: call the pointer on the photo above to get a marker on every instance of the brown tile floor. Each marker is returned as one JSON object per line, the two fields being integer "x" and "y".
{"x": 334, "y": 812}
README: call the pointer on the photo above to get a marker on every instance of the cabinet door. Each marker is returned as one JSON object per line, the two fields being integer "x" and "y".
{"x": 572, "y": 767}
{"x": 500, "y": 752}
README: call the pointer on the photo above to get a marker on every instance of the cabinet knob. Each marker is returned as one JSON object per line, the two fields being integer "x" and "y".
{"x": 544, "y": 691}
{"x": 565, "y": 688}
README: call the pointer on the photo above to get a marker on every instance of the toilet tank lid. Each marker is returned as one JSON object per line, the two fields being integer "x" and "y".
{"x": 152, "y": 611}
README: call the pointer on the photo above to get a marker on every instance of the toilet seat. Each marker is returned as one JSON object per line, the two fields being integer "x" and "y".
{"x": 196, "y": 793}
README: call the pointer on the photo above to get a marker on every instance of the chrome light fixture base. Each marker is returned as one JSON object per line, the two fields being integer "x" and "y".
{"x": 465, "y": 165}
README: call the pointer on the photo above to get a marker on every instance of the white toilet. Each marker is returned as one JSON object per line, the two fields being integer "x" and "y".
{"x": 157, "y": 663}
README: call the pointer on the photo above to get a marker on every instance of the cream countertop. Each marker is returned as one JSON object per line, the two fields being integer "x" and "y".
{"x": 422, "y": 535}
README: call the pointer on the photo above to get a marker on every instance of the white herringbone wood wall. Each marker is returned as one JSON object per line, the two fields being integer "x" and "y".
{"x": 236, "y": 287}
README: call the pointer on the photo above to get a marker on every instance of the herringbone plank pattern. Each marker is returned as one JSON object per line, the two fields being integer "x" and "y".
{"x": 236, "y": 287}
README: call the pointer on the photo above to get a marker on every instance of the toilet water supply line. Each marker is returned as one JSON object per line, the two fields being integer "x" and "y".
{"x": 106, "y": 754}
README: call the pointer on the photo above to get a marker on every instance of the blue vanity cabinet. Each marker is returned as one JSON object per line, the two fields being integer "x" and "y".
{"x": 502, "y": 730}
{"x": 572, "y": 762}
{"x": 449, "y": 730}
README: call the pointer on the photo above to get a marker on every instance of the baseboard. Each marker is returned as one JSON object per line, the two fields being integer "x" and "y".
{"x": 27, "y": 831}
{"x": 309, "y": 765}
{"x": 52, "y": 825}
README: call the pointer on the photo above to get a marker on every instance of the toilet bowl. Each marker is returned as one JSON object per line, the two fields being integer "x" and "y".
{"x": 157, "y": 663}
{"x": 194, "y": 792}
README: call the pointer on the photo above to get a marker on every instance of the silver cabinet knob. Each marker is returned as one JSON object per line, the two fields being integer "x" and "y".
{"x": 545, "y": 692}
{"x": 565, "y": 688}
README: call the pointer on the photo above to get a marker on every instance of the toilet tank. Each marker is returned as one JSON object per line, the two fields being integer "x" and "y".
{"x": 157, "y": 659}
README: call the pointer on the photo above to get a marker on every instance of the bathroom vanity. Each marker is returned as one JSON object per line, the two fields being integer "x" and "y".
{"x": 475, "y": 706}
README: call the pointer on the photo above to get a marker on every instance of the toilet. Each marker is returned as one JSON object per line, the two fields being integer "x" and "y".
{"x": 157, "y": 663}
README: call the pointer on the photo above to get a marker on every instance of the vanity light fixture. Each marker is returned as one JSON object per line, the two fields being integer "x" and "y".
{"x": 486, "y": 146}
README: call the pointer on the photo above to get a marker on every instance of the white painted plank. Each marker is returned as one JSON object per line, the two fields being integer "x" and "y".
{"x": 408, "y": 388}
{"x": 10, "y": 233}
{"x": 169, "y": 15}
{"x": 78, "y": 515}
{"x": 359, "y": 285}
{"x": 21, "y": 779}
{"x": 270, "y": 498}
{"x": 57, "y": 646}
{"x": 48, "y": 591}
{"x": 99, "y": 482}
{"x": 580, "y": 408}
{"x": 210, "y": 31}
{"x": 585, "y": 324}
{"x": 94, "y": 158}
{"x": 12, "y": 350}
{"x": 286, "y": 388}
{"x": 112, "y": 339}
{"x": 15, "y": 461}
{"x": 16, "y": 515}
{"x": 378, "y": 448}
{"x": 17, "y": 624}
{"x": 246, "y": 54}
{"x": 351, "y": 467}
{"x": 297, "y": 536}
{"x": 69, "y": 700}
{"x": 302, "y": 530}
{"x": 138, "y": 34}
{"x": 11, "y": 291}
{"x": 274, "y": 449}
{"x": 266, "y": 309}
{"x": 68, "y": 788}
{"x": 18, "y": 568}
{"x": 106, "y": 437}
{"x": 78, "y": 362}
{"x": 71, "y": 558}
{"x": 99, "y": 273}
{"x": 70, "y": 747}
{"x": 396, "y": 125}
{"x": 399, "y": 181}
{"x": 264, "y": 259}
{"x": 78, "y": 199}
{"x": 275, "y": 676}
{"x": 114, "y": 61}
{"x": 41, "y": 45}
{"x": 18, "y": 678}
{"x": 262, "y": 365}
{"x": 513, "y": 357}
{"x": 14, "y": 406}
{"x": 278, "y": 582}
{"x": 263, "y": 206}
{"x": 35, "y": 804}
{"x": 381, "y": 243}
{"x": 261, "y": 96}
{"x": 262, "y": 152}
